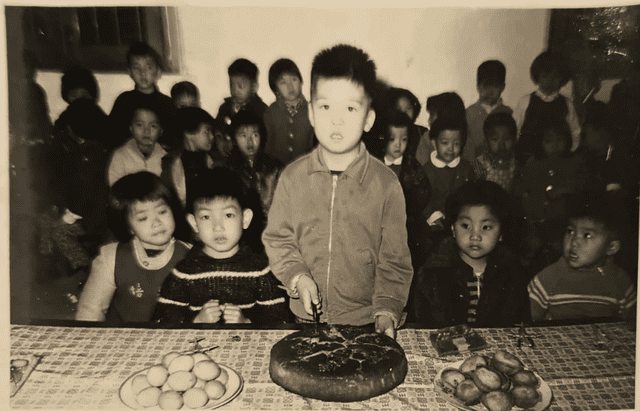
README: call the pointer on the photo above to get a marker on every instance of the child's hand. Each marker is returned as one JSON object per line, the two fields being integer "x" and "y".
{"x": 308, "y": 292}
{"x": 232, "y": 314}
{"x": 210, "y": 313}
{"x": 384, "y": 325}
{"x": 69, "y": 218}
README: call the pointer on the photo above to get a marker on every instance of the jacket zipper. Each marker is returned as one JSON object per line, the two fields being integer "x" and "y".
{"x": 334, "y": 184}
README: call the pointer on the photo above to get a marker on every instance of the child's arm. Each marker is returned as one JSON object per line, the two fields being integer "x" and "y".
{"x": 628, "y": 304}
{"x": 116, "y": 168}
{"x": 574, "y": 124}
{"x": 394, "y": 271}
{"x": 100, "y": 287}
{"x": 538, "y": 301}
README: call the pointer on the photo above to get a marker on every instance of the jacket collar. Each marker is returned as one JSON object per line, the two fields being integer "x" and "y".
{"x": 545, "y": 98}
{"x": 441, "y": 164}
{"x": 356, "y": 170}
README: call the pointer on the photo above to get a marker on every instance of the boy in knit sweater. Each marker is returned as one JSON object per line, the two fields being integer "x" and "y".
{"x": 222, "y": 279}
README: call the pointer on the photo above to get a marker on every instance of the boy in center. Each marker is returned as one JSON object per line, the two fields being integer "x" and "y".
{"x": 336, "y": 234}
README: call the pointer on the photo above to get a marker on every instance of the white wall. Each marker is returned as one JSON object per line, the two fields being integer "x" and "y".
{"x": 428, "y": 51}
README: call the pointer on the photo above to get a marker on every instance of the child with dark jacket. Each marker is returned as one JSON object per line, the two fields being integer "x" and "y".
{"x": 447, "y": 105}
{"x": 145, "y": 69}
{"x": 243, "y": 84}
{"x": 221, "y": 279}
{"x": 498, "y": 163}
{"x": 473, "y": 278}
{"x": 289, "y": 132}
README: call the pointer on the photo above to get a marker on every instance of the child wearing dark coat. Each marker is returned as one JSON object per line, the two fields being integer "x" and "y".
{"x": 243, "y": 84}
{"x": 472, "y": 278}
{"x": 222, "y": 279}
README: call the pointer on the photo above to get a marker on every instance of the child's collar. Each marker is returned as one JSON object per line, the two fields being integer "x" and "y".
{"x": 547, "y": 98}
{"x": 441, "y": 164}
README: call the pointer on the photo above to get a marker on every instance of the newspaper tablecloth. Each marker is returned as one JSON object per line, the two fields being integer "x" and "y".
{"x": 83, "y": 368}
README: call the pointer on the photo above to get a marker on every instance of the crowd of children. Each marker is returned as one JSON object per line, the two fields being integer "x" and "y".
{"x": 489, "y": 217}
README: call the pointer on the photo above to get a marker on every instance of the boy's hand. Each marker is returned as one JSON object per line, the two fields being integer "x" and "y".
{"x": 308, "y": 292}
{"x": 232, "y": 314}
{"x": 384, "y": 325}
{"x": 210, "y": 313}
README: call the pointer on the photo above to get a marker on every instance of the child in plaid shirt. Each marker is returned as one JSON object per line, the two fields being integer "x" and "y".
{"x": 498, "y": 163}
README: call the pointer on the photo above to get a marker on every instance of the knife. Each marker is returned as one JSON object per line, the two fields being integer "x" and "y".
{"x": 316, "y": 319}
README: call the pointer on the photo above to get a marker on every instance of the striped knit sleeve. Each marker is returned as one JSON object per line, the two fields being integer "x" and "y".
{"x": 173, "y": 306}
{"x": 628, "y": 303}
{"x": 270, "y": 303}
{"x": 538, "y": 299}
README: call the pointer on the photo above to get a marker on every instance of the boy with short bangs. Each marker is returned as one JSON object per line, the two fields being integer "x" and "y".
{"x": 497, "y": 163}
{"x": 142, "y": 151}
{"x": 243, "y": 84}
{"x": 185, "y": 94}
{"x": 221, "y": 279}
{"x": 145, "y": 69}
{"x": 473, "y": 278}
{"x": 586, "y": 282}
{"x": 490, "y": 84}
{"x": 289, "y": 133}
{"x": 336, "y": 234}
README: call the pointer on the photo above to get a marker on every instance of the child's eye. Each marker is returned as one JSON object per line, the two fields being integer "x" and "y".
{"x": 204, "y": 217}
{"x": 487, "y": 227}
{"x": 230, "y": 215}
{"x": 142, "y": 219}
{"x": 464, "y": 225}
{"x": 588, "y": 235}
{"x": 324, "y": 107}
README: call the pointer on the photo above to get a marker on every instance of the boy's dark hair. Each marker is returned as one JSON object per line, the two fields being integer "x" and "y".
{"x": 397, "y": 119}
{"x": 448, "y": 104}
{"x": 141, "y": 49}
{"x": 78, "y": 77}
{"x": 248, "y": 118}
{"x": 189, "y": 119}
{"x": 602, "y": 207}
{"x": 218, "y": 182}
{"x": 280, "y": 67}
{"x": 150, "y": 106}
{"x": 491, "y": 73}
{"x": 500, "y": 119}
{"x": 138, "y": 187}
{"x": 551, "y": 61}
{"x": 477, "y": 193}
{"x": 442, "y": 124}
{"x": 345, "y": 62}
{"x": 86, "y": 119}
{"x": 184, "y": 88}
{"x": 243, "y": 67}
{"x": 396, "y": 94}
{"x": 559, "y": 126}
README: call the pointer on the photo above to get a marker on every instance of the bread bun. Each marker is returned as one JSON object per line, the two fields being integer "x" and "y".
{"x": 487, "y": 379}
{"x": 497, "y": 401}
{"x": 451, "y": 378}
{"x": 506, "y": 362}
{"x": 525, "y": 396}
{"x": 470, "y": 364}
{"x": 468, "y": 393}
{"x": 525, "y": 377}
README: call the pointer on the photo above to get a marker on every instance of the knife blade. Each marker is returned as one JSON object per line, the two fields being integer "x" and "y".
{"x": 316, "y": 319}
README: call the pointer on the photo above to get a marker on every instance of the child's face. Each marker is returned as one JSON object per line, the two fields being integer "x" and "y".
{"x": 587, "y": 244}
{"x": 553, "y": 143}
{"x": 201, "y": 140}
{"x": 448, "y": 145}
{"x": 219, "y": 224}
{"x": 477, "y": 232}
{"x": 152, "y": 222}
{"x": 289, "y": 87}
{"x": 549, "y": 83}
{"x": 224, "y": 143}
{"x": 397, "y": 142}
{"x": 145, "y": 129}
{"x": 242, "y": 88}
{"x": 489, "y": 94}
{"x": 185, "y": 100}
{"x": 145, "y": 73}
{"x": 340, "y": 113}
{"x": 403, "y": 104}
{"x": 500, "y": 142}
{"x": 78, "y": 93}
{"x": 248, "y": 140}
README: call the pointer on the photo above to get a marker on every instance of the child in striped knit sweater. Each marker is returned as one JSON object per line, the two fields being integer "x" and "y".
{"x": 222, "y": 279}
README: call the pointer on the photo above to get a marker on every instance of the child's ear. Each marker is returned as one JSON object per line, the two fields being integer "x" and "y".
{"x": 191, "y": 219}
{"x": 255, "y": 86}
{"x": 434, "y": 146}
{"x": 247, "y": 215}
{"x": 453, "y": 232}
{"x": 371, "y": 118}
{"x": 614, "y": 247}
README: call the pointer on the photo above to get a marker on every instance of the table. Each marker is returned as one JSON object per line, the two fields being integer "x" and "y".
{"x": 83, "y": 367}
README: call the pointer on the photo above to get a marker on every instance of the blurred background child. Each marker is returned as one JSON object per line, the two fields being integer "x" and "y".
{"x": 550, "y": 71}
{"x": 446, "y": 105}
{"x": 497, "y": 163}
{"x": 141, "y": 152}
{"x": 185, "y": 94}
{"x": 289, "y": 132}
{"x": 490, "y": 82}
{"x": 221, "y": 279}
{"x": 243, "y": 84}
{"x": 405, "y": 101}
{"x": 585, "y": 282}
{"x": 222, "y": 142}
{"x": 126, "y": 276}
{"x": 473, "y": 278}
{"x": 145, "y": 69}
